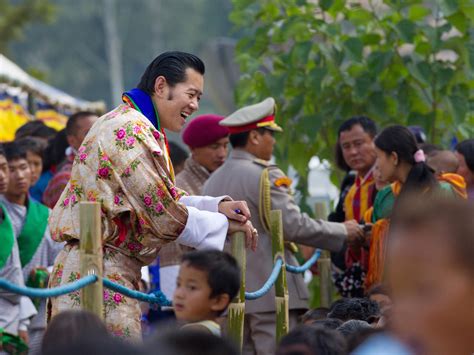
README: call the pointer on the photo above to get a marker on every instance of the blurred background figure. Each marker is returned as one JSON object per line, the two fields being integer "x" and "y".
{"x": 431, "y": 275}
{"x": 465, "y": 155}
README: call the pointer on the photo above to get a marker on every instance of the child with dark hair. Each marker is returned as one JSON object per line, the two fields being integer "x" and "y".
{"x": 309, "y": 340}
{"x": 355, "y": 308}
{"x": 29, "y": 220}
{"x": 329, "y": 323}
{"x": 34, "y": 154}
{"x": 208, "y": 280}
{"x": 314, "y": 314}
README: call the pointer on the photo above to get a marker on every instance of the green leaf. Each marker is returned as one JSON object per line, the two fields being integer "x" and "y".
{"x": 459, "y": 106}
{"x": 460, "y": 21}
{"x": 371, "y": 38}
{"x": 418, "y": 12}
{"x": 449, "y": 7}
{"x": 354, "y": 47}
{"x": 378, "y": 61}
{"x": 325, "y": 4}
{"x": 362, "y": 85}
{"x": 407, "y": 30}
{"x": 421, "y": 71}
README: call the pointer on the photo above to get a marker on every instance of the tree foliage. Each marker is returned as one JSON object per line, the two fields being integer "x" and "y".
{"x": 15, "y": 16}
{"x": 405, "y": 61}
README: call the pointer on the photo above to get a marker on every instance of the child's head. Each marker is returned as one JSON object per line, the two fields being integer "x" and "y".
{"x": 379, "y": 294}
{"x": 34, "y": 154}
{"x": 430, "y": 271}
{"x": 208, "y": 280}
{"x": 314, "y": 314}
{"x": 355, "y": 308}
{"x": 20, "y": 172}
{"x": 312, "y": 340}
{"x": 443, "y": 161}
{"x": 4, "y": 173}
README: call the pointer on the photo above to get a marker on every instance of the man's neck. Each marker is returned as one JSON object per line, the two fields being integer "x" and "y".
{"x": 18, "y": 199}
{"x": 363, "y": 173}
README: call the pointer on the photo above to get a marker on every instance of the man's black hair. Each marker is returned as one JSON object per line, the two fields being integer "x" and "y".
{"x": 72, "y": 122}
{"x": 172, "y": 66}
{"x": 239, "y": 140}
{"x": 466, "y": 149}
{"x": 318, "y": 340}
{"x": 14, "y": 151}
{"x": 367, "y": 125}
{"x": 55, "y": 152}
{"x": 2, "y": 150}
{"x": 33, "y": 145}
{"x": 223, "y": 272}
{"x": 353, "y": 326}
{"x": 355, "y": 308}
{"x": 315, "y": 314}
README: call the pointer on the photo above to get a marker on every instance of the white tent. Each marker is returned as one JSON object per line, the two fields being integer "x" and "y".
{"x": 12, "y": 75}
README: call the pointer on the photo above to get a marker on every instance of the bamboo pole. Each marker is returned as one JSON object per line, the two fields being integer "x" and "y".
{"x": 281, "y": 285}
{"x": 91, "y": 256}
{"x": 324, "y": 263}
{"x": 236, "y": 310}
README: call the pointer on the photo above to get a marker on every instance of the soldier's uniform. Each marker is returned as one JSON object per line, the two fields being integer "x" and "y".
{"x": 264, "y": 186}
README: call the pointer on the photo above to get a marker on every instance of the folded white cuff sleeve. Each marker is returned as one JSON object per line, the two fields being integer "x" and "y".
{"x": 204, "y": 230}
{"x": 204, "y": 203}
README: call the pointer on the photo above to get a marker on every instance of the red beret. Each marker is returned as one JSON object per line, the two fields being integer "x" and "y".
{"x": 204, "y": 130}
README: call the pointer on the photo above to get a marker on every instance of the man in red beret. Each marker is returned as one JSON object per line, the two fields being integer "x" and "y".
{"x": 208, "y": 143}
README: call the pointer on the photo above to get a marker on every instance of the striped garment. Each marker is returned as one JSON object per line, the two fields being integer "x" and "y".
{"x": 360, "y": 197}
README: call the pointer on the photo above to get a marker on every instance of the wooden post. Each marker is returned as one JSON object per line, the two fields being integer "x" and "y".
{"x": 281, "y": 286}
{"x": 236, "y": 310}
{"x": 91, "y": 257}
{"x": 324, "y": 263}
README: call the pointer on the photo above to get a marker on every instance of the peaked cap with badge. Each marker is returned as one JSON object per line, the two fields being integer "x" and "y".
{"x": 261, "y": 115}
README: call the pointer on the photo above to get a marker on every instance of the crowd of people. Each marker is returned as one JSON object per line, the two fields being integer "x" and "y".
{"x": 401, "y": 235}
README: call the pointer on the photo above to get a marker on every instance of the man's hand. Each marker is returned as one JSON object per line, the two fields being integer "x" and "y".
{"x": 355, "y": 232}
{"x": 23, "y": 335}
{"x": 235, "y": 210}
{"x": 251, "y": 234}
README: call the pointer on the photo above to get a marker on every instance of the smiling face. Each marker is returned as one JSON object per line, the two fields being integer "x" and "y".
{"x": 386, "y": 165}
{"x": 176, "y": 103}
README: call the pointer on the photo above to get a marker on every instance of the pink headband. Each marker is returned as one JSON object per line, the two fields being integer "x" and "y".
{"x": 419, "y": 156}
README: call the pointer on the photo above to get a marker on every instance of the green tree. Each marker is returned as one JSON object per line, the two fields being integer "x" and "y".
{"x": 15, "y": 16}
{"x": 405, "y": 61}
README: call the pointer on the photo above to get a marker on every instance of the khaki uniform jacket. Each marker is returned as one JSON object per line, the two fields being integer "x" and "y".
{"x": 239, "y": 178}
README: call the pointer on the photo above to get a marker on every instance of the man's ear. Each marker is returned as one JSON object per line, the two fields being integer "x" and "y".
{"x": 254, "y": 137}
{"x": 220, "y": 302}
{"x": 161, "y": 87}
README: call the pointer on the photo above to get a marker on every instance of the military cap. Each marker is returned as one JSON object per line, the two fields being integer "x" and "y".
{"x": 261, "y": 115}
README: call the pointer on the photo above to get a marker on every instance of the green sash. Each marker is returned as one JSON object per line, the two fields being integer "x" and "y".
{"x": 6, "y": 238}
{"x": 33, "y": 231}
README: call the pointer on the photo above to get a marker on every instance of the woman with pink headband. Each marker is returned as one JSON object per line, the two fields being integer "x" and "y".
{"x": 401, "y": 162}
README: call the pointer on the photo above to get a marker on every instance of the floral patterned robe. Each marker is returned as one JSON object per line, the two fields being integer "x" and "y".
{"x": 123, "y": 164}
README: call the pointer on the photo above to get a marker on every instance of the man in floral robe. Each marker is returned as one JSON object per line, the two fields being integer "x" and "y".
{"x": 124, "y": 164}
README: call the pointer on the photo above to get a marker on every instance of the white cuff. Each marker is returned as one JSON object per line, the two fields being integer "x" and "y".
{"x": 204, "y": 203}
{"x": 204, "y": 230}
{"x": 27, "y": 309}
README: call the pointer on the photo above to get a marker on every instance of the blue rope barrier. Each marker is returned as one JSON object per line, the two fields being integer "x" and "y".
{"x": 157, "y": 297}
{"x": 310, "y": 262}
{"x": 48, "y": 292}
{"x": 268, "y": 284}
{"x": 154, "y": 298}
